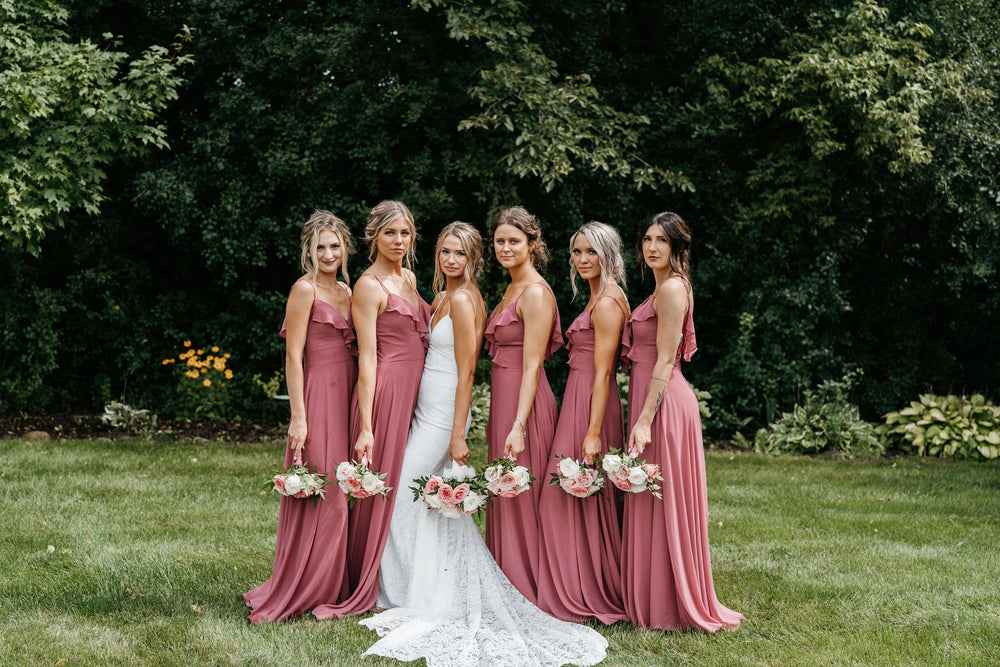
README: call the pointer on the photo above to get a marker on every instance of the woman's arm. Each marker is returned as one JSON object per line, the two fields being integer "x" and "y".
{"x": 467, "y": 346}
{"x": 297, "y": 312}
{"x": 607, "y": 319}
{"x": 369, "y": 300}
{"x": 536, "y": 308}
{"x": 670, "y": 304}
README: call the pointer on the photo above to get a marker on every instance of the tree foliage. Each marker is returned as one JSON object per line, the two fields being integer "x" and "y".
{"x": 67, "y": 110}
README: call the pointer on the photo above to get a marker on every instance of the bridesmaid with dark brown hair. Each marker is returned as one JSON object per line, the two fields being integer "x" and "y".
{"x": 666, "y": 569}
{"x": 390, "y": 320}
{"x": 521, "y": 333}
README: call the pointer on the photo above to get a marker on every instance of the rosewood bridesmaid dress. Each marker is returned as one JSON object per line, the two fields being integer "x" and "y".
{"x": 581, "y": 537}
{"x": 666, "y": 568}
{"x": 311, "y": 553}
{"x": 512, "y": 523}
{"x": 401, "y": 332}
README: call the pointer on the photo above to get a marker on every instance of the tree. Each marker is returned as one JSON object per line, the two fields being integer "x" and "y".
{"x": 66, "y": 110}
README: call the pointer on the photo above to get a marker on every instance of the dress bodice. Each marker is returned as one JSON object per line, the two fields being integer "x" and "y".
{"x": 505, "y": 336}
{"x": 329, "y": 336}
{"x": 639, "y": 335}
{"x": 401, "y": 330}
{"x": 580, "y": 337}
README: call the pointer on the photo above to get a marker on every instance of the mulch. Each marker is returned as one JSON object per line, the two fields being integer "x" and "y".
{"x": 66, "y": 426}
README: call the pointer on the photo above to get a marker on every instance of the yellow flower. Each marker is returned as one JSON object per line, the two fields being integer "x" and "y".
{"x": 229, "y": 374}
{"x": 192, "y": 362}
{"x": 225, "y": 356}
{"x": 207, "y": 382}
{"x": 204, "y": 370}
{"x": 220, "y": 366}
{"x": 201, "y": 352}
{"x": 215, "y": 348}
{"x": 167, "y": 361}
{"x": 192, "y": 374}
{"x": 187, "y": 343}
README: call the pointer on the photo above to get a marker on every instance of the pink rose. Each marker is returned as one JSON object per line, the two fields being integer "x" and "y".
{"x": 446, "y": 494}
{"x": 567, "y": 484}
{"x": 580, "y": 491}
{"x": 492, "y": 474}
{"x": 507, "y": 481}
{"x": 461, "y": 491}
{"x": 432, "y": 484}
{"x": 354, "y": 486}
{"x": 301, "y": 494}
{"x": 279, "y": 482}
{"x": 651, "y": 469}
{"x": 508, "y": 494}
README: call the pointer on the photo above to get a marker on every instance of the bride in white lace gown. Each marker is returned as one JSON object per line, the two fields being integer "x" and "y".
{"x": 446, "y": 599}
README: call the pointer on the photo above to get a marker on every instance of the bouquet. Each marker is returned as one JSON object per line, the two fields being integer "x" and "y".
{"x": 631, "y": 474}
{"x": 578, "y": 478}
{"x": 504, "y": 478}
{"x": 359, "y": 481}
{"x": 299, "y": 482}
{"x": 456, "y": 492}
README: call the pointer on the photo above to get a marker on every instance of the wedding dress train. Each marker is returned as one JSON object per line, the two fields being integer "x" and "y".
{"x": 446, "y": 599}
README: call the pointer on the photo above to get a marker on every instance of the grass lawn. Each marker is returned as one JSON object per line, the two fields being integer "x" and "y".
{"x": 138, "y": 553}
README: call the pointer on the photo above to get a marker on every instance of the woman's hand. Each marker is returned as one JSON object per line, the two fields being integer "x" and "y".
{"x": 591, "y": 448}
{"x": 364, "y": 447}
{"x": 514, "y": 444}
{"x": 639, "y": 438}
{"x": 458, "y": 450}
{"x": 297, "y": 431}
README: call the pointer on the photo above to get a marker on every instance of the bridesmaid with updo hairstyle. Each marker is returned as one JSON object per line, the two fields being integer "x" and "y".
{"x": 521, "y": 333}
{"x": 581, "y": 537}
{"x": 666, "y": 570}
{"x": 390, "y": 321}
{"x": 311, "y": 553}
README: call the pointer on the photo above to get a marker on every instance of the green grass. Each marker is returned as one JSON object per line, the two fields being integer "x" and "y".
{"x": 831, "y": 562}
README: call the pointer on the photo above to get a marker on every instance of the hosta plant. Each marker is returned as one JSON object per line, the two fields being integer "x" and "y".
{"x": 967, "y": 428}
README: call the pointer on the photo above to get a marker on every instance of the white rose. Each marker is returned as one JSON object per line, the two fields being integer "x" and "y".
{"x": 369, "y": 482}
{"x": 344, "y": 470}
{"x": 569, "y": 468}
{"x": 433, "y": 501}
{"x": 293, "y": 484}
{"x": 612, "y": 463}
{"x": 637, "y": 476}
{"x": 472, "y": 501}
{"x": 521, "y": 475}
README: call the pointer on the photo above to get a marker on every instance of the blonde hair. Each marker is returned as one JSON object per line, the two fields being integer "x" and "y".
{"x": 518, "y": 217}
{"x": 472, "y": 246}
{"x": 384, "y": 213}
{"x": 318, "y": 222}
{"x": 608, "y": 244}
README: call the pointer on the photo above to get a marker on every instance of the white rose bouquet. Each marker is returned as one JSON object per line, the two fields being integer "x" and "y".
{"x": 631, "y": 474}
{"x": 455, "y": 492}
{"x": 578, "y": 478}
{"x": 359, "y": 481}
{"x": 503, "y": 477}
{"x": 300, "y": 482}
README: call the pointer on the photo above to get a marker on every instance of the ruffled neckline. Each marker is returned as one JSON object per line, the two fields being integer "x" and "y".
{"x": 419, "y": 314}
{"x": 328, "y": 314}
{"x": 687, "y": 345}
{"x": 509, "y": 316}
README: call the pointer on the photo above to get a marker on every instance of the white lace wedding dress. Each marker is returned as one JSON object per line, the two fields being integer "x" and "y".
{"x": 446, "y": 599}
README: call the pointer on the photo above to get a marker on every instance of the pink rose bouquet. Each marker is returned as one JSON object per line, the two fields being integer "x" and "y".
{"x": 359, "y": 481}
{"x": 456, "y": 492}
{"x": 578, "y": 478}
{"x": 299, "y": 482}
{"x": 504, "y": 478}
{"x": 631, "y": 474}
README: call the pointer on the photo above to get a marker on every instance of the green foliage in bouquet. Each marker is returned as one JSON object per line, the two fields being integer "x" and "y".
{"x": 824, "y": 422}
{"x": 946, "y": 426}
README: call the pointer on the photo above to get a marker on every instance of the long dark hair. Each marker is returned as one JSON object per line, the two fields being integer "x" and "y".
{"x": 677, "y": 232}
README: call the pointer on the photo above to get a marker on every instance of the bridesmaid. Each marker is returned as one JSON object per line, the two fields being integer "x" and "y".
{"x": 666, "y": 569}
{"x": 581, "y": 537}
{"x": 310, "y": 557}
{"x": 522, "y": 332}
{"x": 390, "y": 320}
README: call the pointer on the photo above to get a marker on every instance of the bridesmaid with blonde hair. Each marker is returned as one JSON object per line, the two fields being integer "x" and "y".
{"x": 521, "y": 333}
{"x": 390, "y": 320}
{"x": 581, "y": 537}
{"x": 311, "y": 553}
{"x": 666, "y": 570}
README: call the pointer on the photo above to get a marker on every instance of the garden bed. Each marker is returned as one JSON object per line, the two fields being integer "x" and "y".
{"x": 58, "y": 426}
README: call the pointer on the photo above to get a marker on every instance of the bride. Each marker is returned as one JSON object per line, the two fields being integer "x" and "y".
{"x": 446, "y": 599}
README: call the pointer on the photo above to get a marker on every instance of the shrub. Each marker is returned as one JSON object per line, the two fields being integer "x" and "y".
{"x": 826, "y": 421}
{"x": 946, "y": 426}
{"x": 202, "y": 383}
{"x": 124, "y": 416}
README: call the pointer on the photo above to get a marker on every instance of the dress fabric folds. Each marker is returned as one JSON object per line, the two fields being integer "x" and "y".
{"x": 512, "y": 524}
{"x": 666, "y": 567}
{"x": 401, "y": 332}
{"x": 447, "y": 600}
{"x": 581, "y": 537}
{"x": 311, "y": 553}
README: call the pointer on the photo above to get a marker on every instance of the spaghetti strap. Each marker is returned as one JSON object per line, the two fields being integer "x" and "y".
{"x": 617, "y": 303}
{"x": 386, "y": 289}
{"x": 537, "y": 282}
